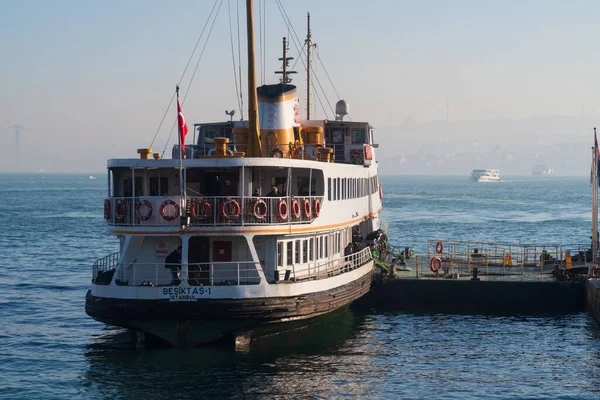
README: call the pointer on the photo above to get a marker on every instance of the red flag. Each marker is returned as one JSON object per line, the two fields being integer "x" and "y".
{"x": 182, "y": 125}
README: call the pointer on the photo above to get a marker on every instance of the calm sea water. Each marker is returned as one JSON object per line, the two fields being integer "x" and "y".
{"x": 52, "y": 231}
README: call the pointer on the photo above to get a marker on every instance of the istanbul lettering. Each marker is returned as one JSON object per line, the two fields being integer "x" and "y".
{"x": 185, "y": 293}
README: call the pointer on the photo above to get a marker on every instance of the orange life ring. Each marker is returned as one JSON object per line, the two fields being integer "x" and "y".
{"x": 138, "y": 207}
{"x": 295, "y": 209}
{"x": 121, "y": 210}
{"x": 432, "y": 264}
{"x": 439, "y": 247}
{"x": 106, "y": 209}
{"x": 306, "y": 208}
{"x": 200, "y": 209}
{"x": 163, "y": 207}
{"x": 282, "y": 210}
{"x": 317, "y": 207}
{"x": 230, "y": 209}
{"x": 259, "y": 205}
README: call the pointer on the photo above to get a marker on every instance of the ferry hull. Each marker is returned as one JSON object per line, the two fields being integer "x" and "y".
{"x": 206, "y": 320}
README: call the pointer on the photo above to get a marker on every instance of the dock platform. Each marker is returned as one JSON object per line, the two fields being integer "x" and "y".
{"x": 468, "y": 277}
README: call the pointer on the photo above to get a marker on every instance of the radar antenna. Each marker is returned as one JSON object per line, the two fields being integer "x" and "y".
{"x": 285, "y": 61}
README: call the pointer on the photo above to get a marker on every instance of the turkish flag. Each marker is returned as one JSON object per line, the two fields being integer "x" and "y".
{"x": 182, "y": 125}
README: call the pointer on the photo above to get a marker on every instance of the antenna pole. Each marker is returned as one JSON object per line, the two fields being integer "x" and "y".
{"x": 308, "y": 44}
{"x": 595, "y": 202}
{"x": 284, "y": 78}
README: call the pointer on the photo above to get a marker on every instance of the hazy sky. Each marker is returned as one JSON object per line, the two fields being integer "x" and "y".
{"x": 91, "y": 79}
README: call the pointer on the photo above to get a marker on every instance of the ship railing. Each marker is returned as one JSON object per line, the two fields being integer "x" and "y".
{"x": 104, "y": 269}
{"x": 450, "y": 257}
{"x": 482, "y": 253}
{"x": 232, "y": 273}
{"x": 211, "y": 210}
{"x": 323, "y": 268}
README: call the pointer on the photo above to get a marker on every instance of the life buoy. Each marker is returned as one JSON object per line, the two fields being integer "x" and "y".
{"x": 106, "y": 209}
{"x": 163, "y": 210}
{"x": 306, "y": 208}
{"x": 259, "y": 210}
{"x": 138, "y": 210}
{"x": 121, "y": 210}
{"x": 200, "y": 209}
{"x": 230, "y": 209}
{"x": 317, "y": 207}
{"x": 282, "y": 210}
{"x": 439, "y": 247}
{"x": 435, "y": 264}
{"x": 277, "y": 153}
{"x": 295, "y": 209}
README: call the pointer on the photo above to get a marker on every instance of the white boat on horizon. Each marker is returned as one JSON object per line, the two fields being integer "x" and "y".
{"x": 485, "y": 175}
{"x": 264, "y": 223}
{"x": 92, "y": 177}
{"x": 540, "y": 169}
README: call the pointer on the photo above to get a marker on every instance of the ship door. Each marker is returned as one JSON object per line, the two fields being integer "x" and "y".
{"x": 221, "y": 251}
{"x": 198, "y": 260}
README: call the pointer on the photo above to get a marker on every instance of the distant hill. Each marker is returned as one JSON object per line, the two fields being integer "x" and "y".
{"x": 513, "y": 147}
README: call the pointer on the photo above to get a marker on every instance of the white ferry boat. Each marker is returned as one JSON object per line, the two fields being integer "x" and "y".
{"x": 541, "y": 170}
{"x": 485, "y": 175}
{"x": 262, "y": 224}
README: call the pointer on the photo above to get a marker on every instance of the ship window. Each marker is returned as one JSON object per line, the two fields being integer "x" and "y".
{"x": 326, "y": 238}
{"x": 329, "y": 189}
{"x": 339, "y": 192}
{"x": 336, "y": 136}
{"x": 305, "y": 250}
{"x": 289, "y": 253}
{"x": 311, "y": 253}
{"x": 297, "y": 252}
{"x": 320, "y": 244}
{"x": 358, "y": 136}
{"x": 158, "y": 186}
{"x": 344, "y": 189}
{"x": 210, "y": 134}
{"x": 280, "y": 254}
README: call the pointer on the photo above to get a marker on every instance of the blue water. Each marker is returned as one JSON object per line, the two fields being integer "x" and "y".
{"x": 53, "y": 230}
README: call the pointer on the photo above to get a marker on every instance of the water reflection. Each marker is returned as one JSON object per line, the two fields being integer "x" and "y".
{"x": 318, "y": 360}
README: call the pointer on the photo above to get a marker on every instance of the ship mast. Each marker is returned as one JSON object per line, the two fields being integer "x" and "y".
{"x": 308, "y": 44}
{"x": 285, "y": 60}
{"x": 595, "y": 202}
{"x": 253, "y": 148}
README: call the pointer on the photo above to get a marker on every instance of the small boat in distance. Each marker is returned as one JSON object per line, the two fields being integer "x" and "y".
{"x": 91, "y": 177}
{"x": 485, "y": 175}
{"x": 541, "y": 170}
